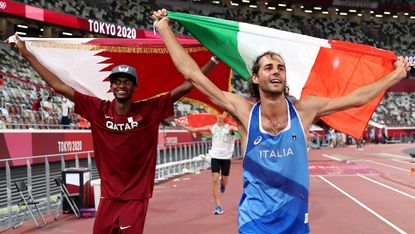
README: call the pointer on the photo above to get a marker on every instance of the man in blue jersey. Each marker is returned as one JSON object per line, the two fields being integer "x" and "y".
{"x": 274, "y": 131}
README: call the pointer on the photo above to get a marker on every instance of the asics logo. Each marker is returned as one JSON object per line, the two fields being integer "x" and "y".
{"x": 3, "y": 5}
{"x": 257, "y": 140}
{"x": 124, "y": 227}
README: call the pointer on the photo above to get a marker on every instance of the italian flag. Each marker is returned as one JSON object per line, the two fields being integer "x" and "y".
{"x": 315, "y": 67}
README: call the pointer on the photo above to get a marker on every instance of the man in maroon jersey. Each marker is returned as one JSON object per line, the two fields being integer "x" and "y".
{"x": 125, "y": 138}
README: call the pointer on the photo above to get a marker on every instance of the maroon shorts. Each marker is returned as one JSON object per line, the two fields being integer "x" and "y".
{"x": 117, "y": 216}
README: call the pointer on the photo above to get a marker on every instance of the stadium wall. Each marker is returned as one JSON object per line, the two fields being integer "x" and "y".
{"x": 27, "y": 143}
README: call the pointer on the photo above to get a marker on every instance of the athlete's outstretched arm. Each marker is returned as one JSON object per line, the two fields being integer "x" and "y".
{"x": 200, "y": 129}
{"x": 321, "y": 106}
{"x": 49, "y": 77}
{"x": 235, "y": 105}
{"x": 186, "y": 87}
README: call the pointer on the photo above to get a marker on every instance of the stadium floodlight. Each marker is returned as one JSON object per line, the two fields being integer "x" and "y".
{"x": 22, "y": 26}
{"x": 317, "y": 8}
{"x": 352, "y": 11}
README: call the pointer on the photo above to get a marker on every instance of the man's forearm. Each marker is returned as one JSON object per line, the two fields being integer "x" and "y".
{"x": 180, "y": 57}
{"x": 49, "y": 77}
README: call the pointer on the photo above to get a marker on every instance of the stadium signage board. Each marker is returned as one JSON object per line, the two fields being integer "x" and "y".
{"x": 111, "y": 29}
{"x": 52, "y": 17}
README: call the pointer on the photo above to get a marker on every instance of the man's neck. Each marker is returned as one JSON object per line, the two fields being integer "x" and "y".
{"x": 274, "y": 108}
{"x": 122, "y": 108}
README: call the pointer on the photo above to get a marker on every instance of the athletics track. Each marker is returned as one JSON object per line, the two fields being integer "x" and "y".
{"x": 368, "y": 191}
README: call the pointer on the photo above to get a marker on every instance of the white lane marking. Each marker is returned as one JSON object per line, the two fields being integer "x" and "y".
{"x": 386, "y": 165}
{"x": 395, "y": 155}
{"x": 331, "y": 157}
{"x": 386, "y": 186}
{"x": 397, "y": 160}
{"x": 364, "y": 206}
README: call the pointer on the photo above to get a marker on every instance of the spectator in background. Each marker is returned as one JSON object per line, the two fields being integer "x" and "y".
{"x": 2, "y": 82}
{"x": 331, "y": 135}
{"x": 47, "y": 107}
{"x": 3, "y": 122}
{"x": 371, "y": 135}
{"x": 67, "y": 106}
{"x": 380, "y": 136}
{"x": 37, "y": 103}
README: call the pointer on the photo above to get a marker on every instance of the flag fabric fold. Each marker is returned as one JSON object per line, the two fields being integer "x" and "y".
{"x": 85, "y": 64}
{"x": 315, "y": 67}
{"x": 203, "y": 120}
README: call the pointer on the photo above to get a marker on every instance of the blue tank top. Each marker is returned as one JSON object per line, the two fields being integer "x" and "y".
{"x": 275, "y": 178}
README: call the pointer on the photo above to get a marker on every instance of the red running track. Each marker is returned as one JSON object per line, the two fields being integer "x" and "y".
{"x": 369, "y": 191}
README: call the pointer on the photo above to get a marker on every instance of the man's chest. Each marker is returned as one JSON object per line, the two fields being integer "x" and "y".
{"x": 126, "y": 122}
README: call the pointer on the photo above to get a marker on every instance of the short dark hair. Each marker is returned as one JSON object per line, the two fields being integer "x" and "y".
{"x": 253, "y": 88}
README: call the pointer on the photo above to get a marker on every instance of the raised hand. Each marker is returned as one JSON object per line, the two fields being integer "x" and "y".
{"x": 402, "y": 67}
{"x": 160, "y": 18}
{"x": 17, "y": 43}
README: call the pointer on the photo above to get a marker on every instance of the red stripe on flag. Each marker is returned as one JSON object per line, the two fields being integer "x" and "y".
{"x": 155, "y": 70}
{"x": 338, "y": 71}
{"x": 202, "y": 120}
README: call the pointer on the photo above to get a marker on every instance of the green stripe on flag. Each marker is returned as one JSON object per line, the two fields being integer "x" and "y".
{"x": 217, "y": 35}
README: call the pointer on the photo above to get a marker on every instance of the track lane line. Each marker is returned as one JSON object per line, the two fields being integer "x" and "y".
{"x": 386, "y": 165}
{"x": 401, "y": 161}
{"x": 331, "y": 157}
{"x": 386, "y": 186}
{"x": 364, "y": 206}
{"x": 395, "y": 155}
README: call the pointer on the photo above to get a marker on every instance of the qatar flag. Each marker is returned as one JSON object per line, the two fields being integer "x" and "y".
{"x": 85, "y": 64}
{"x": 315, "y": 67}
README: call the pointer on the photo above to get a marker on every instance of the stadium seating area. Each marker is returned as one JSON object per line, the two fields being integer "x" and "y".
{"x": 396, "y": 110}
{"x": 22, "y": 85}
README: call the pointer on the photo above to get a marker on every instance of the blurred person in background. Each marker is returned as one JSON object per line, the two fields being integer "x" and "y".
{"x": 67, "y": 106}
{"x": 223, "y": 144}
{"x": 37, "y": 103}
